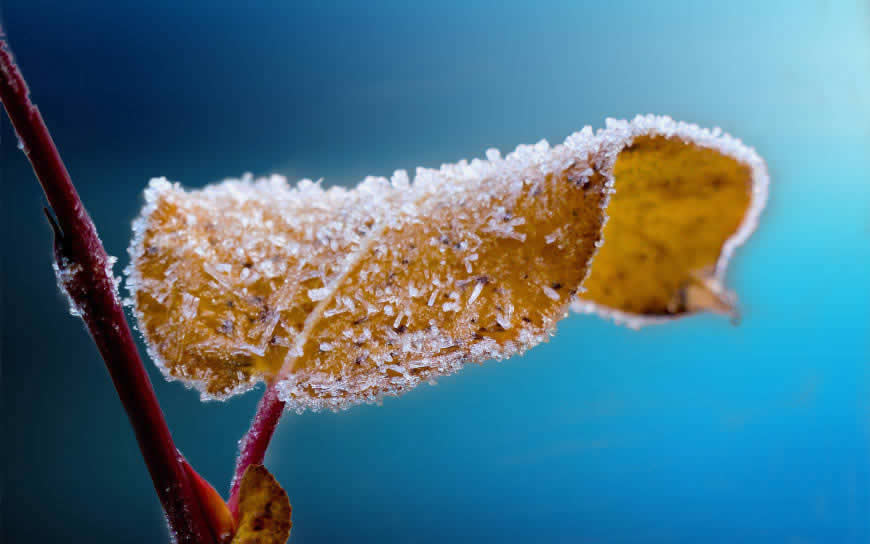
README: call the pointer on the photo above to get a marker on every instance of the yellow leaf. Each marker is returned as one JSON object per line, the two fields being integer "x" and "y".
{"x": 343, "y": 296}
{"x": 684, "y": 199}
{"x": 264, "y": 509}
{"x": 347, "y": 295}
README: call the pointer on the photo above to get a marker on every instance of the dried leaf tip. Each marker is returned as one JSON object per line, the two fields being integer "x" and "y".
{"x": 707, "y": 294}
{"x": 685, "y": 199}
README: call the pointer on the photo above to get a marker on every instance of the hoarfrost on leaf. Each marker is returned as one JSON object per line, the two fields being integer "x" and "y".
{"x": 344, "y": 296}
{"x": 478, "y": 288}
{"x": 189, "y": 306}
{"x": 551, "y": 293}
{"x": 318, "y": 294}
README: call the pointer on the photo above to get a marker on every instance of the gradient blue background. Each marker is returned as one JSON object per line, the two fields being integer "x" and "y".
{"x": 695, "y": 432}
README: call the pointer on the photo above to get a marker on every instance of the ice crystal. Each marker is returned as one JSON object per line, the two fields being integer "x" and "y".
{"x": 65, "y": 271}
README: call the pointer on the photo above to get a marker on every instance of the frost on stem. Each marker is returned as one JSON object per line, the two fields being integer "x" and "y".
{"x": 65, "y": 271}
{"x": 84, "y": 275}
{"x": 343, "y": 296}
{"x": 68, "y": 278}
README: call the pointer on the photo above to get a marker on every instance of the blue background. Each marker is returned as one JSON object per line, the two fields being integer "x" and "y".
{"x": 695, "y": 432}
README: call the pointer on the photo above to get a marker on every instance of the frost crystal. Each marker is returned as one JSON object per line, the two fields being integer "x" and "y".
{"x": 318, "y": 294}
{"x": 551, "y": 293}
{"x": 65, "y": 272}
{"x": 478, "y": 287}
{"x": 189, "y": 306}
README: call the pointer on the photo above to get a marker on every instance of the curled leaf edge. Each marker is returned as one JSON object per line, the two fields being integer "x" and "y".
{"x": 619, "y": 134}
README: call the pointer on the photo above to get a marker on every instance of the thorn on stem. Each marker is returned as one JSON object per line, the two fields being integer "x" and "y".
{"x": 58, "y": 233}
{"x": 60, "y": 242}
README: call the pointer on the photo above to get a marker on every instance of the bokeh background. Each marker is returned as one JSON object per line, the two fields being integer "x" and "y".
{"x": 694, "y": 432}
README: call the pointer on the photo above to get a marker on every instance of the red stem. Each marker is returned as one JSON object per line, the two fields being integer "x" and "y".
{"x": 92, "y": 290}
{"x": 252, "y": 448}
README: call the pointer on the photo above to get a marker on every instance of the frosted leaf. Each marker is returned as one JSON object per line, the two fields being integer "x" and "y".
{"x": 381, "y": 287}
{"x": 351, "y": 295}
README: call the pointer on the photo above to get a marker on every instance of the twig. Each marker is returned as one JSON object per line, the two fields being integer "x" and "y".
{"x": 252, "y": 448}
{"x": 85, "y": 273}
